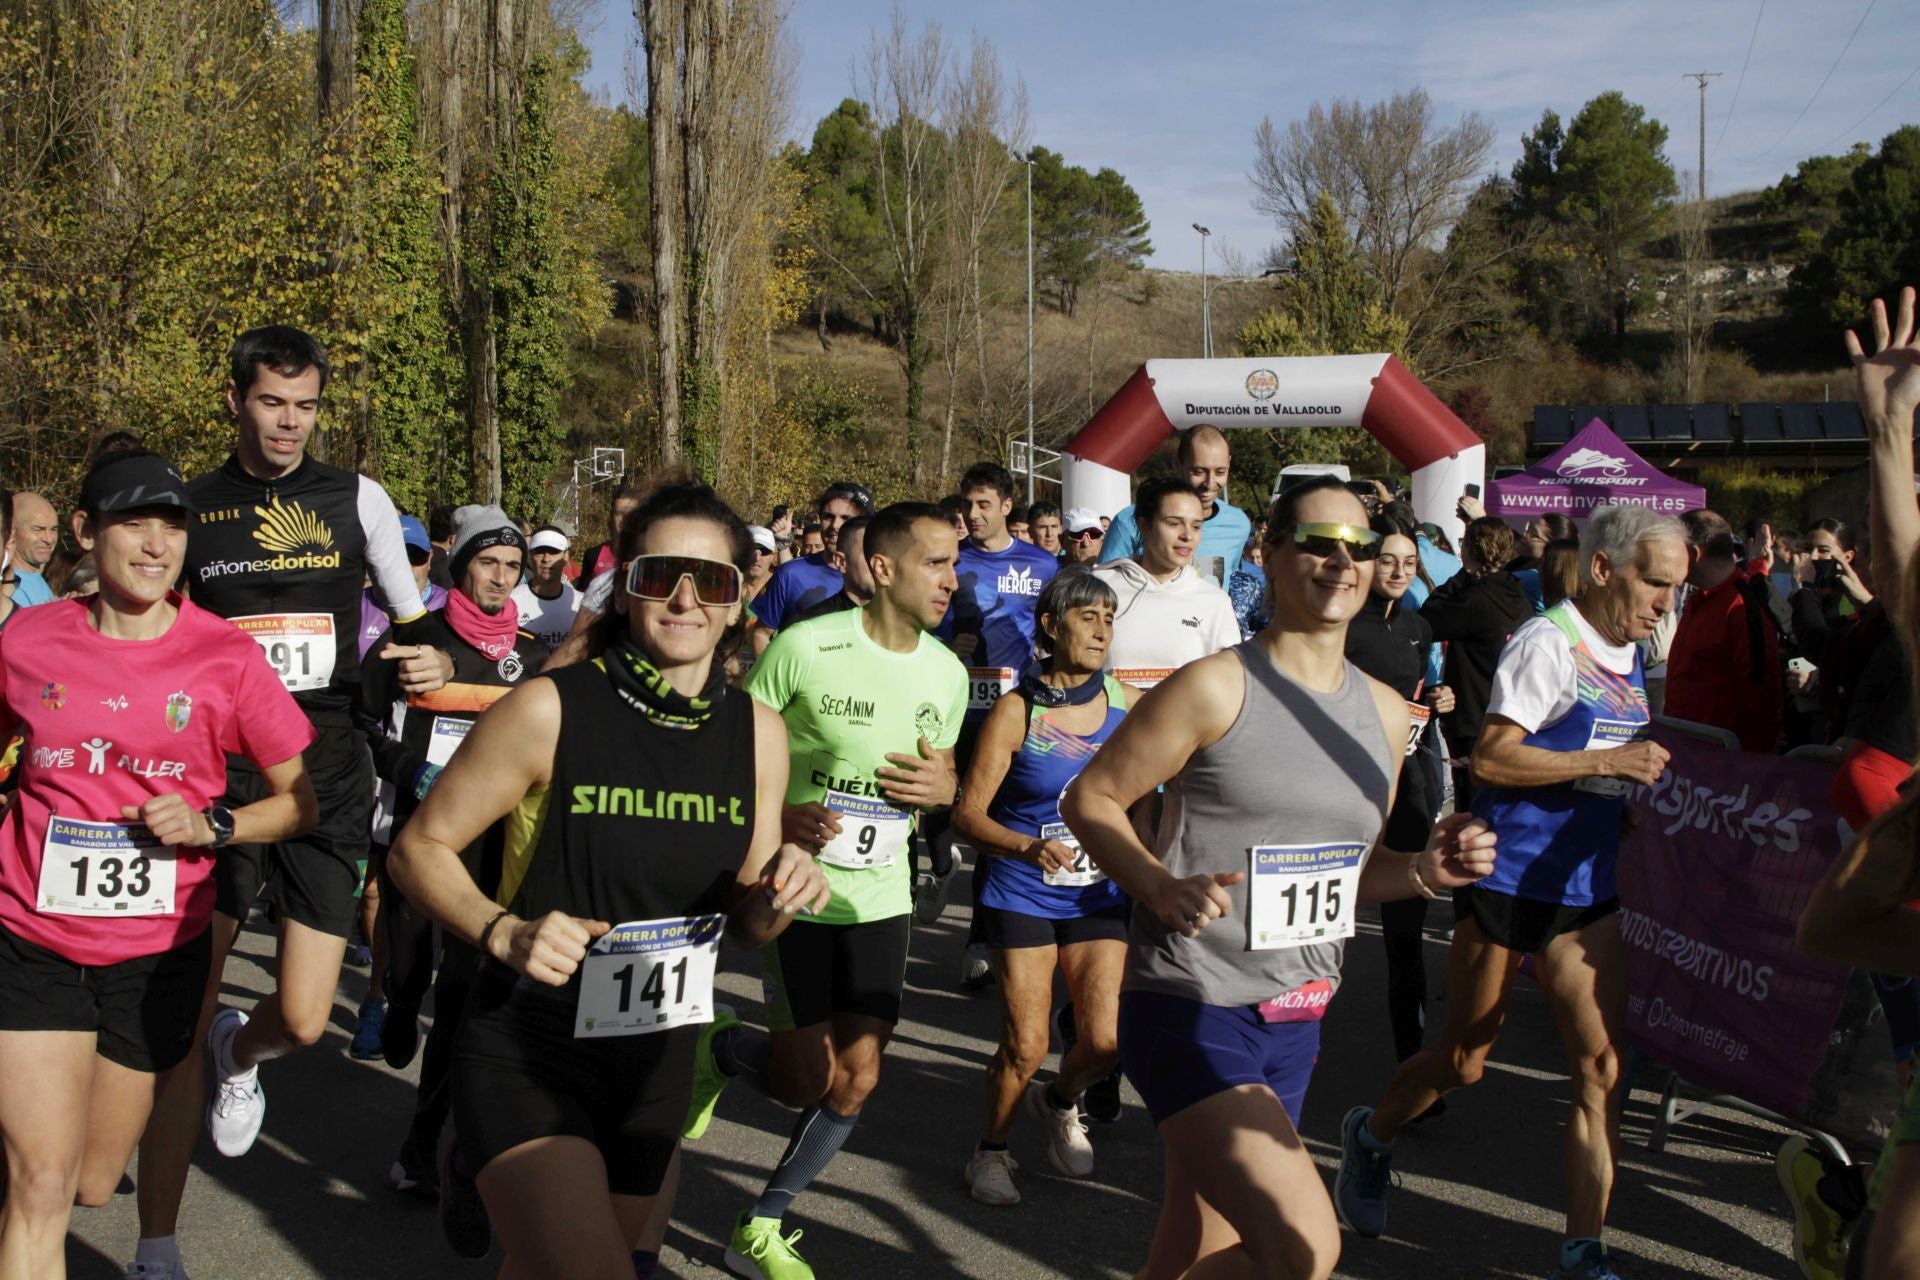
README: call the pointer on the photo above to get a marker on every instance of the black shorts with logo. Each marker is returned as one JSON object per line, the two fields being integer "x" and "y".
{"x": 310, "y": 879}
{"x": 1524, "y": 924}
{"x": 143, "y": 1011}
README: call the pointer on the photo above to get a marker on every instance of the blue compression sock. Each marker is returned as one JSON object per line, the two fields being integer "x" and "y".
{"x": 817, "y": 1138}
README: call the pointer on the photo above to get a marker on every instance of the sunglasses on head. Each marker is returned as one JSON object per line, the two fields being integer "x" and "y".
{"x": 715, "y": 582}
{"x": 1322, "y": 539}
{"x": 856, "y": 493}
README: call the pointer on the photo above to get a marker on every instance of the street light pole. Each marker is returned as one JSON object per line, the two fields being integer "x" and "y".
{"x": 1206, "y": 314}
{"x": 1028, "y": 161}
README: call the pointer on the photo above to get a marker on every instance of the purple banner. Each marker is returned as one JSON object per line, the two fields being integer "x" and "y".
{"x": 1723, "y": 854}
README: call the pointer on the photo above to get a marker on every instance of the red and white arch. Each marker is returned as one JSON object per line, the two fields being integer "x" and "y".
{"x": 1375, "y": 392}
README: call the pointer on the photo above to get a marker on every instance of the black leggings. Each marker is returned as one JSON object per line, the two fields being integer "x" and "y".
{"x": 1402, "y": 929}
{"x": 410, "y": 971}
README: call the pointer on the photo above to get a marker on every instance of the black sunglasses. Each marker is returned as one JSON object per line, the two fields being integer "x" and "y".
{"x": 1085, "y": 535}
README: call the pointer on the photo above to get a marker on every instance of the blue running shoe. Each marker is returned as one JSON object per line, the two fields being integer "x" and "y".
{"x": 366, "y": 1035}
{"x": 1591, "y": 1263}
{"x": 1360, "y": 1192}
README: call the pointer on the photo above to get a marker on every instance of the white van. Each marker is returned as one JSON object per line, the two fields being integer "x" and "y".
{"x": 1302, "y": 470}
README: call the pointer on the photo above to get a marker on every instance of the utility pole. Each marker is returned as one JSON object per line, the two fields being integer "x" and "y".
{"x": 1027, "y": 160}
{"x": 1702, "y": 77}
{"x": 1206, "y": 315}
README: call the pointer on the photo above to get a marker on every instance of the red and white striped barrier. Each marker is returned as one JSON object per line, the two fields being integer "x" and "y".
{"x": 1376, "y": 392}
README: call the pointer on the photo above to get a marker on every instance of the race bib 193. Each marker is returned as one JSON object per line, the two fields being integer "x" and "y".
{"x": 986, "y": 684}
{"x": 873, "y": 833}
{"x": 647, "y": 976}
{"x": 299, "y": 646}
{"x": 1302, "y": 893}
{"x": 1609, "y": 735}
{"x": 105, "y": 869}
{"x": 1082, "y": 873}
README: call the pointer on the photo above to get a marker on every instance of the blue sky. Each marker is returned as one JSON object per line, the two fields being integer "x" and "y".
{"x": 1170, "y": 93}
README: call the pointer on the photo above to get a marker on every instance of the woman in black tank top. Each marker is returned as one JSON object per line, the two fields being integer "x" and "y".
{"x": 640, "y": 797}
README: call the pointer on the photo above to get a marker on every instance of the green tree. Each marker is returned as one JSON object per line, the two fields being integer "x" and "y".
{"x": 844, "y": 230}
{"x": 1613, "y": 183}
{"x": 1601, "y": 190}
{"x": 1810, "y": 195}
{"x": 411, "y": 386}
{"x": 1329, "y": 304}
{"x": 1083, "y": 223}
{"x": 526, "y": 272}
{"x": 1872, "y": 247}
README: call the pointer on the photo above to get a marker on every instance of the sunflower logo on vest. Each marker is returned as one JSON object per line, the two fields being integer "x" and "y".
{"x": 301, "y": 538}
{"x": 288, "y": 526}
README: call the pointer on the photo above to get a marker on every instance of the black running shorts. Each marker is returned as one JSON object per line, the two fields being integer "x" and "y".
{"x": 813, "y": 971}
{"x": 1524, "y": 924}
{"x": 310, "y": 879}
{"x": 520, "y": 1074}
{"x": 143, "y": 1011}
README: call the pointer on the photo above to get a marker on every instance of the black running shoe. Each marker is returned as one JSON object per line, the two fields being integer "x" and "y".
{"x": 463, "y": 1214}
{"x": 1102, "y": 1099}
{"x": 400, "y": 1035}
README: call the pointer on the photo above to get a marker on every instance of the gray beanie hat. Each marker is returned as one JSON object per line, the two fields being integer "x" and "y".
{"x": 475, "y": 528}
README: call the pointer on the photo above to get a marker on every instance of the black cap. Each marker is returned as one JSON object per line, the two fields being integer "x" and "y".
{"x": 853, "y": 491}
{"x": 126, "y": 481}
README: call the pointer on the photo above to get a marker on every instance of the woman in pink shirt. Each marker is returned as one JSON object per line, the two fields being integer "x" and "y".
{"x": 129, "y": 702}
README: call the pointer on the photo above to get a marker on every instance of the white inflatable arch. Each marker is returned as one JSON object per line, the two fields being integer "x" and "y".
{"x": 1376, "y": 392}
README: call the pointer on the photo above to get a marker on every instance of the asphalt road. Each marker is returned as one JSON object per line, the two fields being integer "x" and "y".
{"x": 1480, "y": 1193}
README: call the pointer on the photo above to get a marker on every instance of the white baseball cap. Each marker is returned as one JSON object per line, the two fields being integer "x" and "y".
{"x": 762, "y": 537}
{"x": 547, "y": 540}
{"x": 1081, "y": 519}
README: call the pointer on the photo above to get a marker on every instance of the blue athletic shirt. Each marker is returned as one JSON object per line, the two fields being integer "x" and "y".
{"x": 794, "y": 586}
{"x": 1561, "y": 843}
{"x": 1029, "y": 801}
{"x": 998, "y": 590}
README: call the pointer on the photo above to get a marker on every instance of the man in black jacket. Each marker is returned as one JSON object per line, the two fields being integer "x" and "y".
{"x": 412, "y": 737}
{"x": 1474, "y": 612}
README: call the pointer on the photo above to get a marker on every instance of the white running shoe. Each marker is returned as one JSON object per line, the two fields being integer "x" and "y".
{"x": 1068, "y": 1149}
{"x": 156, "y": 1271}
{"x": 976, "y": 968}
{"x": 239, "y": 1105}
{"x": 990, "y": 1178}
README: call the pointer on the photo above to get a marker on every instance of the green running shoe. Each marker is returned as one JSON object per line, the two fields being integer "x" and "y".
{"x": 759, "y": 1252}
{"x": 708, "y": 1079}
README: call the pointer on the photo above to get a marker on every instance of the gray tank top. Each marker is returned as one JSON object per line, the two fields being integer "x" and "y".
{"x": 1298, "y": 770}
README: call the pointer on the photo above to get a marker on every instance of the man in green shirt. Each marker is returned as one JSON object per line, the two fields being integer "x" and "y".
{"x": 873, "y": 706}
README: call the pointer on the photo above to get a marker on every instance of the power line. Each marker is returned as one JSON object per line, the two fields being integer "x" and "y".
{"x": 1846, "y": 134}
{"x": 1742, "y": 80}
{"x": 1823, "y": 82}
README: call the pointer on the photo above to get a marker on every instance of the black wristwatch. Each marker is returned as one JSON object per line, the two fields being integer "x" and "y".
{"x": 220, "y": 818}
